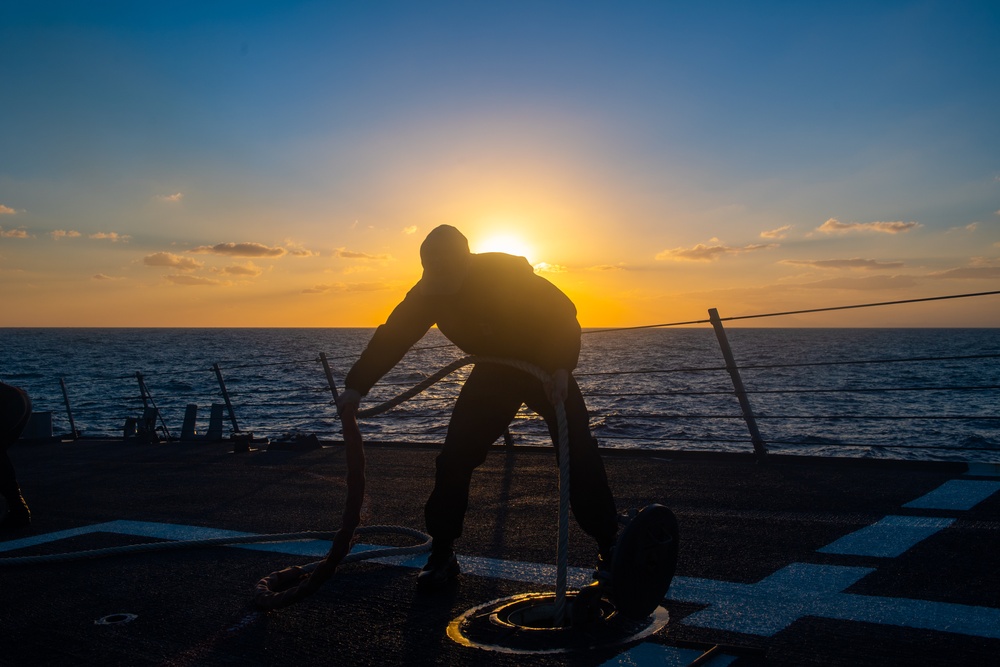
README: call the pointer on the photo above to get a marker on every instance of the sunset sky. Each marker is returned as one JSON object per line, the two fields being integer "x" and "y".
{"x": 278, "y": 163}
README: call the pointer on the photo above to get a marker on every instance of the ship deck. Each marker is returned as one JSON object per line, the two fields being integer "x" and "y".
{"x": 793, "y": 561}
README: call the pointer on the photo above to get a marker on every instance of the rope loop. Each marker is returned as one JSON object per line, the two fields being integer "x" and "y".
{"x": 423, "y": 385}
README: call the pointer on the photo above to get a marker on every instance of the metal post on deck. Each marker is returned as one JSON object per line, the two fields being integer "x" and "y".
{"x": 142, "y": 389}
{"x": 225, "y": 397}
{"x": 759, "y": 446}
{"x": 147, "y": 400}
{"x": 69, "y": 410}
{"x": 329, "y": 376}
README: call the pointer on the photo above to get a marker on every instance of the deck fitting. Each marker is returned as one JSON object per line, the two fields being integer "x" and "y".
{"x": 526, "y": 623}
{"x": 115, "y": 619}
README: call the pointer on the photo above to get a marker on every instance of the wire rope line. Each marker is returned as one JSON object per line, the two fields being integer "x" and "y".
{"x": 862, "y": 305}
{"x": 962, "y": 357}
{"x": 796, "y": 312}
{"x": 849, "y": 362}
{"x": 764, "y": 415}
{"x": 791, "y": 390}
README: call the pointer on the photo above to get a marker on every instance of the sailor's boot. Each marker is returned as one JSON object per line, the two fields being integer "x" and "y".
{"x": 441, "y": 568}
{"x": 586, "y": 606}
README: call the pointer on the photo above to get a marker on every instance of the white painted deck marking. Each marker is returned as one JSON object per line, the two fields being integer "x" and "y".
{"x": 774, "y": 603}
{"x": 650, "y": 653}
{"x": 816, "y": 590}
{"x": 983, "y": 469}
{"x": 509, "y": 570}
{"x": 173, "y": 532}
{"x": 763, "y": 608}
{"x": 956, "y": 494}
{"x": 887, "y": 538}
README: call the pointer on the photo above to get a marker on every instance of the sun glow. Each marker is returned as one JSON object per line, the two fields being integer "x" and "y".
{"x": 508, "y": 243}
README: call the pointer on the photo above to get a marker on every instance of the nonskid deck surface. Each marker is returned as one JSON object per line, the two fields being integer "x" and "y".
{"x": 783, "y": 563}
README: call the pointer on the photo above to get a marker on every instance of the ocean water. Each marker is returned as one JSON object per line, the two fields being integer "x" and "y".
{"x": 896, "y": 393}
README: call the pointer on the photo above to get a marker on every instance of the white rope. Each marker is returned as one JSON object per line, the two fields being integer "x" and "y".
{"x": 562, "y": 548}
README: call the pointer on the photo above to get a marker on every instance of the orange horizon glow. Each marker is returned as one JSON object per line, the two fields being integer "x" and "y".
{"x": 245, "y": 169}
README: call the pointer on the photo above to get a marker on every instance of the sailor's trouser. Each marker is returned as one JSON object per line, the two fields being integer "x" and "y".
{"x": 486, "y": 405}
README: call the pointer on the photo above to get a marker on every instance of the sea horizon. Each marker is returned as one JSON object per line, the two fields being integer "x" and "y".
{"x": 887, "y": 391}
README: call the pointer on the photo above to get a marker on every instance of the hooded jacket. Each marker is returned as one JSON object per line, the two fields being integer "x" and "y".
{"x": 502, "y": 309}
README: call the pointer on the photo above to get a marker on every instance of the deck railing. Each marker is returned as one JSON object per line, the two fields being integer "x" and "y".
{"x": 820, "y": 404}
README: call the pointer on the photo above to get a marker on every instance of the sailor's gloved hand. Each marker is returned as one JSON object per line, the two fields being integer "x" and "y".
{"x": 558, "y": 387}
{"x": 348, "y": 400}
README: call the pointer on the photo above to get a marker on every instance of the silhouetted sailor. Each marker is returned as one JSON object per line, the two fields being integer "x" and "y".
{"x": 491, "y": 304}
{"x": 15, "y": 408}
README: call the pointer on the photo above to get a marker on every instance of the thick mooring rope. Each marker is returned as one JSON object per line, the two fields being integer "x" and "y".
{"x": 292, "y": 584}
{"x": 284, "y": 587}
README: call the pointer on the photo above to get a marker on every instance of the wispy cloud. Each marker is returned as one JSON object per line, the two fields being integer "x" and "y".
{"x": 64, "y": 234}
{"x": 779, "y": 233}
{"x": 968, "y": 273}
{"x": 7, "y": 210}
{"x": 710, "y": 253}
{"x": 104, "y": 276}
{"x": 184, "y": 279}
{"x": 345, "y": 287}
{"x": 412, "y": 229}
{"x": 971, "y": 227}
{"x": 351, "y": 254}
{"x": 171, "y": 260}
{"x": 13, "y": 233}
{"x": 177, "y": 196}
{"x": 863, "y": 284}
{"x": 248, "y": 270}
{"x": 855, "y": 263}
{"x": 834, "y": 226}
{"x": 240, "y": 250}
{"x": 545, "y": 267}
{"x": 114, "y": 237}
{"x": 298, "y": 250}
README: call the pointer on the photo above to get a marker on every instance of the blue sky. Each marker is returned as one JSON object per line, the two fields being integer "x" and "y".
{"x": 654, "y": 158}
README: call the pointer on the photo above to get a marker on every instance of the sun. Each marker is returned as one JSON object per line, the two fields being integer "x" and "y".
{"x": 508, "y": 243}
